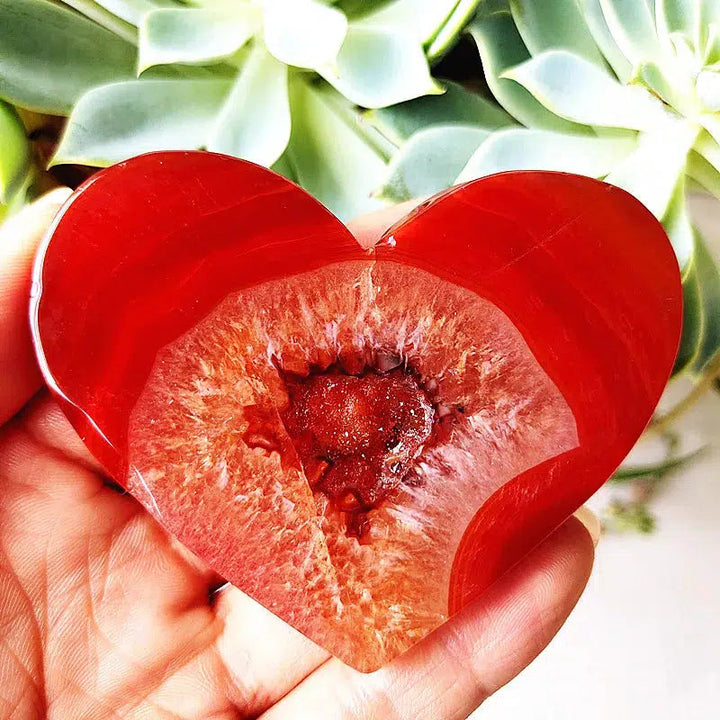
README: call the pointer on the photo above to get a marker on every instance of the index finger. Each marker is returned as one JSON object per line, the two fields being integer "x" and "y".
{"x": 19, "y": 237}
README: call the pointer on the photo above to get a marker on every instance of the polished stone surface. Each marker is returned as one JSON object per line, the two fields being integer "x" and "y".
{"x": 226, "y": 348}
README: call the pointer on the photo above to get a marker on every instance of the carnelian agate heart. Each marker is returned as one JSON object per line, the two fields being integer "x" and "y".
{"x": 362, "y": 440}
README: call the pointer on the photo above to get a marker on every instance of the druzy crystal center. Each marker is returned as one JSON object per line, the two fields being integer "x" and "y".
{"x": 357, "y": 436}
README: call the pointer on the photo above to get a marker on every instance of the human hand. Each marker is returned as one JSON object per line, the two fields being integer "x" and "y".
{"x": 103, "y": 614}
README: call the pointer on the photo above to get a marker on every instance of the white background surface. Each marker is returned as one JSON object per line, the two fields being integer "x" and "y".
{"x": 644, "y": 641}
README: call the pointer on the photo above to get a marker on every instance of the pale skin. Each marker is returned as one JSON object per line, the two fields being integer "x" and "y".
{"x": 103, "y": 615}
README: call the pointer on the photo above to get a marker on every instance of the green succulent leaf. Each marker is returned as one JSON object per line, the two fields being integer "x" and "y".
{"x": 527, "y": 149}
{"x": 708, "y": 148}
{"x": 329, "y": 155}
{"x": 14, "y": 153}
{"x": 652, "y": 171}
{"x": 703, "y": 173}
{"x": 377, "y": 67}
{"x": 52, "y": 55}
{"x": 595, "y": 19}
{"x": 303, "y": 33}
{"x": 132, "y": 11}
{"x": 678, "y": 226}
{"x": 246, "y": 128}
{"x": 632, "y": 25}
{"x": 692, "y": 323}
{"x": 455, "y": 105}
{"x": 555, "y": 24}
{"x": 709, "y": 16}
{"x": 114, "y": 122}
{"x": 712, "y": 46}
{"x": 501, "y": 48}
{"x": 578, "y": 90}
{"x": 194, "y": 35}
{"x": 709, "y": 283}
{"x": 430, "y": 161}
{"x": 453, "y": 26}
{"x": 422, "y": 18}
{"x": 679, "y": 17}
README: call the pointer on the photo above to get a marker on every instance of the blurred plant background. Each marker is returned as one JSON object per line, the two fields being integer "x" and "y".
{"x": 370, "y": 102}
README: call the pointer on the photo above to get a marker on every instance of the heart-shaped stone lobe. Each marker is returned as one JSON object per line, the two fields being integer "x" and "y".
{"x": 192, "y": 306}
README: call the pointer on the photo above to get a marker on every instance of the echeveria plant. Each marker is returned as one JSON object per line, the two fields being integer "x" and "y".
{"x": 365, "y": 102}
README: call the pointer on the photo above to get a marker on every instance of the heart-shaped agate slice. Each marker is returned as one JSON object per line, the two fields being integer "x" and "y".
{"x": 362, "y": 440}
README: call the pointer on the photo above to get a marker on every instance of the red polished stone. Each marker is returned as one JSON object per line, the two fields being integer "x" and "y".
{"x": 362, "y": 440}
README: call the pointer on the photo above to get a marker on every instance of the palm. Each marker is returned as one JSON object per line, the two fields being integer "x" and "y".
{"x": 104, "y": 615}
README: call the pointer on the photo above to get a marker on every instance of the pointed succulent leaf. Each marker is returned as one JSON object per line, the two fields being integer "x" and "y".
{"x": 303, "y": 33}
{"x": 51, "y": 55}
{"x": 455, "y": 105}
{"x": 328, "y": 155}
{"x": 709, "y": 283}
{"x": 254, "y": 123}
{"x": 501, "y": 48}
{"x": 91, "y": 10}
{"x": 711, "y": 123}
{"x": 192, "y": 35}
{"x": 693, "y": 320}
{"x": 708, "y": 90}
{"x": 422, "y": 18}
{"x": 708, "y": 148}
{"x": 430, "y": 161}
{"x": 14, "y": 153}
{"x": 132, "y": 11}
{"x": 114, "y": 122}
{"x": 712, "y": 46}
{"x": 679, "y": 16}
{"x": 595, "y": 19}
{"x": 378, "y": 66}
{"x": 703, "y": 173}
{"x": 555, "y": 24}
{"x": 527, "y": 149}
{"x": 678, "y": 226}
{"x": 652, "y": 171}
{"x": 577, "y": 90}
{"x": 447, "y": 35}
{"x": 632, "y": 25}
{"x": 675, "y": 94}
{"x": 709, "y": 15}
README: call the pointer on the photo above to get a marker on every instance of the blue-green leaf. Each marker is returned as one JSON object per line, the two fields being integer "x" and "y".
{"x": 709, "y": 284}
{"x": 118, "y": 121}
{"x": 455, "y": 105}
{"x": 577, "y": 90}
{"x": 51, "y": 55}
{"x": 451, "y": 29}
{"x": 595, "y": 19}
{"x": 303, "y": 33}
{"x": 679, "y": 16}
{"x": 422, "y": 18}
{"x": 501, "y": 48}
{"x": 329, "y": 156}
{"x": 527, "y": 149}
{"x": 555, "y": 24}
{"x": 254, "y": 123}
{"x": 14, "y": 153}
{"x": 652, "y": 171}
{"x": 632, "y": 25}
{"x": 430, "y": 161}
{"x": 703, "y": 173}
{"x": 377, "y": 67}
{"x": 195, "y": 35}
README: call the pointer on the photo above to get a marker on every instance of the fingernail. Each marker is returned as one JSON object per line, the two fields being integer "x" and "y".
{"x": 58, "y": 196}
{"x": 591, "y": 522}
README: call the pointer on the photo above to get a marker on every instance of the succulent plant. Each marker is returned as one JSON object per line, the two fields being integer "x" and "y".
{"x": 272, "y": 81}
